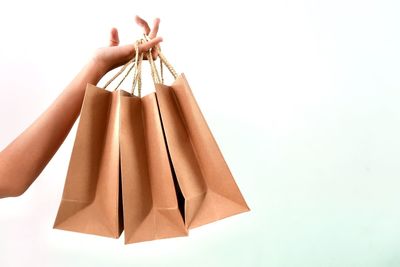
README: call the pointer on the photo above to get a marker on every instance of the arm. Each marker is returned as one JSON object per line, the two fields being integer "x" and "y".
{"x": 23, "y": 160}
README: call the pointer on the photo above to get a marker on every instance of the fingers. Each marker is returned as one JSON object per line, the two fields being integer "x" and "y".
{"x": 143, "y": 24}
{"x": 152, "y": 35}
{"x": 156, "y": 26}
{"x": 146, "y": 46}
{"x": 114, "y": 38}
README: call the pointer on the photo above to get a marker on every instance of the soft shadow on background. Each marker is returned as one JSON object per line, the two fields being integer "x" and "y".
{"x": 302, "y": 97}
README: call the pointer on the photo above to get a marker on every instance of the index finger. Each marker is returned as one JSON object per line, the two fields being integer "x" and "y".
{"x": 151, "y": 43}
{"x": 143, "y": 24}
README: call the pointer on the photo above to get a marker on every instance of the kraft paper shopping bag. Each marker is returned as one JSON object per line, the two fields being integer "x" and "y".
{"x": 208, "y": 187}
{"x": 91, "y": 200}
{"x": 150, "y": 203}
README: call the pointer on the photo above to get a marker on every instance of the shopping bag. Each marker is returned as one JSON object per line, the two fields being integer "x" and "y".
{"x": 208, "y": 187}
{"x": 91, "y": 200}
{"x": 150, "y": 203}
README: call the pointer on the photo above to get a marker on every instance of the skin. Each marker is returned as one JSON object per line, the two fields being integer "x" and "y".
{"x": 24, "y": 159}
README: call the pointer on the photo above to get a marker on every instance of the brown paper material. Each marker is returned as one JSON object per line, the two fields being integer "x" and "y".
{"x": 206, "y": 182}
{"x": 150, "y": 204}
{"x": 91, "y": 198}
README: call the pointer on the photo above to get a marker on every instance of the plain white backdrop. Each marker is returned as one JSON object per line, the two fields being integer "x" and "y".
{"x": 302, "y": 97}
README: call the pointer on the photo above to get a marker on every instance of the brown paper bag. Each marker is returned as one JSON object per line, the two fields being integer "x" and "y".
{"x": 91, "y": 201}
{"x": 205, "y": 180}
{"x": 150, "y": 204}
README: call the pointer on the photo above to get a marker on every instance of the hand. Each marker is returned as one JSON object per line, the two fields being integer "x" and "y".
{"x": 108, "y": 58}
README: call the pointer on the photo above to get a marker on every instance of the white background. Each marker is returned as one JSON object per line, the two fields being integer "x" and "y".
{"x": 302, "y": 97}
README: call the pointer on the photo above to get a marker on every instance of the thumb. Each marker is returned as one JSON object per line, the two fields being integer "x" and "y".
{"x": 114, "y": 39}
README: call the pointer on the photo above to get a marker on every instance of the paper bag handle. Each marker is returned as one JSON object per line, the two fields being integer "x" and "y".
{"x": 163, "y": 60}
{"x": 136, "y": 60}
{"x": 137, "y": 63}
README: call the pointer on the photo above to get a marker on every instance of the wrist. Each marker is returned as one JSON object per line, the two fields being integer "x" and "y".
{"x": 94, "y": 70}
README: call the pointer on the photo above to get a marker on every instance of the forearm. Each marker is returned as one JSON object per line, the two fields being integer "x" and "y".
{"x": 25, "y": 158}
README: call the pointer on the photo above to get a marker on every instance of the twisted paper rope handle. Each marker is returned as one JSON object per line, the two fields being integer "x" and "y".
{"x": 154, "y": 72}
{"x": 135, "y": 62}
{"x": 163, "y": 60}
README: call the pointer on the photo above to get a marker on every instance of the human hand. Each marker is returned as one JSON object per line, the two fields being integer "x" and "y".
{"x": 108, "y": 58}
